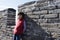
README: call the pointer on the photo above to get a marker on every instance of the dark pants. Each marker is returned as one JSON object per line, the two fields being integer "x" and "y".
{"x": 16, "y": 37}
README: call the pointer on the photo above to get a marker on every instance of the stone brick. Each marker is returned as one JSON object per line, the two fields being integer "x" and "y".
{"x": 57, "y": 10}
{"x": 33, "y": 16}
{"x": 50, "y": 16}
{"x": 58, "y": 5}
{"x": 42, "y": 20}
{"x": 53, "y": 29}
{"x": 36, "y": 12}
{"x": 43, "y": 4}
{"x": 59, "y": 16}
{"x": 59, "y": 25}
{"x": 53, "y": 21}
{"x": 40, "y": 12}
{"x": 47, "y": 7}
{"x": 51, "y": 11}
{"x": 49, "y": 25}
{"x": 36, "y": 20}
{"x": 41, "y": 16}
{"x": 27, "y": 10}
{"x": 29, "y": 13}
{"x": 54, "y": 11}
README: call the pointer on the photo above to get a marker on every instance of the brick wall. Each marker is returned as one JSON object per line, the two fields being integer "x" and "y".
{"x": 7, "y": 22}
{"x": 42, "y": 20}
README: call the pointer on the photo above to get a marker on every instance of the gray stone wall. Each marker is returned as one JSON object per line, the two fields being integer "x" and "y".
{"x": 42, "y": 20}
{"x": 7, "y": 22}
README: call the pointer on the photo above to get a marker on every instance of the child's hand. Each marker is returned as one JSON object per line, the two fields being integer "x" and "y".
{"x": 15, "y": 30}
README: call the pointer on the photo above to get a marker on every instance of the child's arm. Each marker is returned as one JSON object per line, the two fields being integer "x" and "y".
{"x": 19, "y": 24}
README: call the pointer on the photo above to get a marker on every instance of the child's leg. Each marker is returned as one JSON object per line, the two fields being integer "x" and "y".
{"x": 16, "y": 37}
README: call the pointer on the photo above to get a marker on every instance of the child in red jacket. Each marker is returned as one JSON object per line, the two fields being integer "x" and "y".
{"x": 19, "y": 28}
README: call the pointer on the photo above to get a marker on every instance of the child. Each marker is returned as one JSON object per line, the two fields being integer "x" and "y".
{"x": 20, "y": 26}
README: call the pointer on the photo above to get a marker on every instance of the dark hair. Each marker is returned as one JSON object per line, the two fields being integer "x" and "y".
{"x": 21, "y": 13}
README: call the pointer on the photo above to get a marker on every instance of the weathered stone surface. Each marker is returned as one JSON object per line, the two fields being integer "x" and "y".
{"x": 50, "y": 16}
{"x": 57, "y": 5}
{"x": 57, "y": 10}
{"x": 27, "y": 10}
{"x": 29, "y": 13}
{"x": 51, "y": 11}
{"x": 8, "y": 15}
{"x": 49, "y": 25}
{"x": 59, "y": 25}
{"x": 33, "y": 16}
{"x": 59, "y": 16}
{"x": 42, "y": 20}
{"x": 43, "y": 4}
{"x": 36, "y": 20}
{"x": 40, "y": 12}
{"x": 47, "y": 7}
{"x": 53, "y": 21}
{"x": 54, "y": 11}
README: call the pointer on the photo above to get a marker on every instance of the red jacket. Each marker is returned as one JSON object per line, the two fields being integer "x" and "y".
{"x": 19, "y": 27}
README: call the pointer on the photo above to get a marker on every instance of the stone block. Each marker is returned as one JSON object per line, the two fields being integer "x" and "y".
{"x": 51, "y": 16}
{"x": 43, "y": 4}
{"x": 41, "y": 16}
{"x": 36, "y": 12}
{"x": 47, "y": 8}
{"x": 53, "y": 29}
{"x": 27, "y": 10}
{"x": 53, "y": 20}
{"x": 35, "y": 20}
{"x": 40, "y": 12}
{"x": 58, "y": 25}
{"x": 42, "y": 20}
{"x": 58, "y": 5}
{"x": 59, "y": 16}
{"x": 29, "y": 13}
{"x": 54, "y": 11}
{"x": 57, "y": 10}
{"x": 33, "y": 16}
{"x": 51, "y": 11}
{"x": 49, "y": 25}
